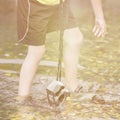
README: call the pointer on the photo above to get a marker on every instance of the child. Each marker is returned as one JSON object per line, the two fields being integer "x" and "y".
{"x": 36, "y": 18}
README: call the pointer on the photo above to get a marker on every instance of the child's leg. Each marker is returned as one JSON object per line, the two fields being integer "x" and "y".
{"x": 29, "y": 68}
{"x": 72, "y": 41}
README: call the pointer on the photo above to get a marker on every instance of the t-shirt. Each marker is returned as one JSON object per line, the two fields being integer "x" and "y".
{"x": 49, "y": 2}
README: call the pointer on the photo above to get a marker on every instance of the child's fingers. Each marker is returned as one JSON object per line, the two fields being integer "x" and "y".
{"x": 97, "y": 31}
{"x": 94, "y": 29}
{"x": 100, "y": 34}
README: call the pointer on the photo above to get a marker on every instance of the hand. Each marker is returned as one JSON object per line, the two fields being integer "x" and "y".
{"x": 99, "y": 29}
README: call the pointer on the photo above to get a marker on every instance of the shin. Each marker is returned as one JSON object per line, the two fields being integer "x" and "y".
{"x": 72, "y": 41}
{"x": 29, "y": 68}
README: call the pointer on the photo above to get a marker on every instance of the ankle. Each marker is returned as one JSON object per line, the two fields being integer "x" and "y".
{"x": 72, "y": 87}
{"x": 22, "y": 97}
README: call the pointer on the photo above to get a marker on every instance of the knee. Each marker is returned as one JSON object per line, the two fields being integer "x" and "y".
{"x": 73, "y": 37}
{"x": 35, "y": 53}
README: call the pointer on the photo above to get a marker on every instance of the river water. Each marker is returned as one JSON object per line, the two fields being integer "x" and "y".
{"x": 99, "y": 74}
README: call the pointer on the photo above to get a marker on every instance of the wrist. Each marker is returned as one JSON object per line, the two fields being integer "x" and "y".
{"x": 99, "y": 18}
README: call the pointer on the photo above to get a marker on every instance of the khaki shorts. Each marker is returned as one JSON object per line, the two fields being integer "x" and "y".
{"x": 35, "y": 20}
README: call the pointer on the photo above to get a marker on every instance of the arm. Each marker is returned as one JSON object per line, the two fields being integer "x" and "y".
{"x": 100, "y": 26}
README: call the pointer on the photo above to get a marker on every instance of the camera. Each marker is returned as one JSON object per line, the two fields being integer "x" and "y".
{"x": 56, "y": 93}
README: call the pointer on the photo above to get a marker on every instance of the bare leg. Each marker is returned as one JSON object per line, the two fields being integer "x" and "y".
{"x": 29, "y": 68}
{"x": 72, "y": 41}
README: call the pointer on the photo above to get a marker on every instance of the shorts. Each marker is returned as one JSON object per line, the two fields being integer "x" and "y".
{"x": 35, "y": 20}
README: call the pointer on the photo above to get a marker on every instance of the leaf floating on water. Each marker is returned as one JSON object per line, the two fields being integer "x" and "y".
{"x": 20, "y": 54}
{"x": 6, "y": 55}
{"x": 98, "y": 99}
{"x": 8, "y": 74}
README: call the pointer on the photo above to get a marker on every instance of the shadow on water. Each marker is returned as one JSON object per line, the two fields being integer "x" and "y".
{"x": 99, "y": 73}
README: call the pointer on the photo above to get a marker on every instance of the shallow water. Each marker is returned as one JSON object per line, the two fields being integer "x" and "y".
{"x": 99, "y": 66}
